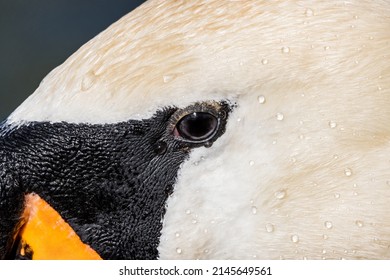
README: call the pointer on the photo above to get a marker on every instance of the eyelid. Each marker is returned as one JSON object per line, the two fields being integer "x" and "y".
{"x": 206, "y": 107}
{"x": 180, "y": 134}
{"x": 219, "y": 109}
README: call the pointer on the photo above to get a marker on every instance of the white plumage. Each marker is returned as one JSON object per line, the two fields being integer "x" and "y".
{"x": 303, "y": 169}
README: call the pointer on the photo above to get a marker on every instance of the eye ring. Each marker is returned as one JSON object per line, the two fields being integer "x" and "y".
{"x": 197, "y": 127}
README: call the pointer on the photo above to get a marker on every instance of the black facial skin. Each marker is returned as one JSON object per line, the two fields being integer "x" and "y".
{"x": 109, "y": 182}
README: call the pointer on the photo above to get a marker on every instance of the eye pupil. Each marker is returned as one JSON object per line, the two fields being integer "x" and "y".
{"x": 197, "y": 126}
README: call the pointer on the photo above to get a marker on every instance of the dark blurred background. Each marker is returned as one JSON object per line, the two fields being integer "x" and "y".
{"x": 38, "y": 35}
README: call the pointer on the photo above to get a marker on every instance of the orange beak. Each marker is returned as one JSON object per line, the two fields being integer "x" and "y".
{"x": 44, "y": 235}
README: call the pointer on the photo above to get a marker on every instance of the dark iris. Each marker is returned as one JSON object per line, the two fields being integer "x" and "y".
{"x": 197, "y": 126}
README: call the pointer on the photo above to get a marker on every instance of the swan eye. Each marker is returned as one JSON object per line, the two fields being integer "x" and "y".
{"x": 197, "y": 127}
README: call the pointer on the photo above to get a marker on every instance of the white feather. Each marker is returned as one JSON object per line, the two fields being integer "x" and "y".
{"x": 302, "y": 174}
